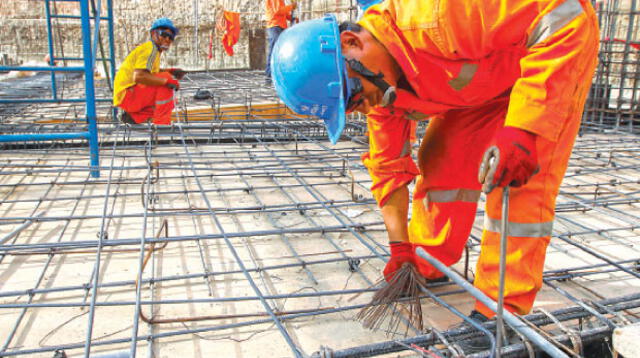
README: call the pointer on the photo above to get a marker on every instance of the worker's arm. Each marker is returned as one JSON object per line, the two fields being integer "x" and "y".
{"x": 553, "y": 74}
{"x": 395, "y": 214}
{"x": 391, "y": 167}
{"x": 274, "y": 9}
{"x": 286, "y": 10}
{"x": 558, "y": 40}
{"x": 146, "y": 78}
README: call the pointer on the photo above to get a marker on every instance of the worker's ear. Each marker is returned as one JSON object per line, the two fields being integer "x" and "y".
{"x": 350, "y": 41}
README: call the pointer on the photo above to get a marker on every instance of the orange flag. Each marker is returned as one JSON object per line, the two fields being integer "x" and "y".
{"x": 232, "y": 31}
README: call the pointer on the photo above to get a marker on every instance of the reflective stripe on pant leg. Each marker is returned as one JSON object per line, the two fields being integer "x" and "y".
{"x": 442, "y": 226}
{"x": 520, "y": 229}
{"x": 523, "y": 278}
{"x": 446, "y": 193}
{"x": 164, "y": 103}
{"x": 526, "y": 249}
{"x": 139, "y": 102}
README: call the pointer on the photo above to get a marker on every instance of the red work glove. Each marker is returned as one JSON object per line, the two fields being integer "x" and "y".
{"x": 518, "y": 160}
{"x": 401, "y": 252}
{"x": 177, "y": 73}
{"x": 172, "y": 83}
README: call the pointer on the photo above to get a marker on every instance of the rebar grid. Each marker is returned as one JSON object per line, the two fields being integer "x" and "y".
{"x": 272, "y": 242}
{"x": 615, "y": 94}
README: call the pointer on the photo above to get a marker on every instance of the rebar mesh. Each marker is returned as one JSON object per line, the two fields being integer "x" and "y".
{"x": 240, "y": 229}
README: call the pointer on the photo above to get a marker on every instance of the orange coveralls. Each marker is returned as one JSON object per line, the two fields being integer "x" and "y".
{"x": 473, "y": 67}
{"x": 278, "y": 13}
{"x": 143, "y": 102}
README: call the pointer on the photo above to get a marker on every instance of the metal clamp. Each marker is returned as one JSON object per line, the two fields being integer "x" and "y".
{"x": 488, "y": 167}
{"x": 575, "y": 339}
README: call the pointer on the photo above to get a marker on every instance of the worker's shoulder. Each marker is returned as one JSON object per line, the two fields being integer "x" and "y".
{"x": 144, "y": 50}
{"x": 410, "y": 15}
{"x": 144, "y": 47}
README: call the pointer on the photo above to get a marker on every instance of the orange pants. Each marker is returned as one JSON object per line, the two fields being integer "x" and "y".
{"x": 143, "y": 102}
{"x": 447, "y": 190}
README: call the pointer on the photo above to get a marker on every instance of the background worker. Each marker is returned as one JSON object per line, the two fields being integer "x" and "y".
{"x": 141, "y": 89}
{"x": 514, "y": 74}
{"x": 277, "y": 15}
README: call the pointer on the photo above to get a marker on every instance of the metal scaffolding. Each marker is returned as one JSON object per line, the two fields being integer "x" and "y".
{"x": 90, "y": 43}
{"x": 240, "y": 229}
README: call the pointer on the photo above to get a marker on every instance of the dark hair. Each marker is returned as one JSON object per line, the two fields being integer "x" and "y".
{"x": 349, "y": 26}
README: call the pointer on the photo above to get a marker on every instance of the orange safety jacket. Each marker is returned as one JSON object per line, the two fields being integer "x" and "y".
{"x": 462, "y": 54}
{"x": 278, "y": 13}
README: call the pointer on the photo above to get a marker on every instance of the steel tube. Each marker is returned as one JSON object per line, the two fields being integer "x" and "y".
{"x": 512, "y": 320}
{"x": 504, "y": 225}
{"x": 42, "y": 137}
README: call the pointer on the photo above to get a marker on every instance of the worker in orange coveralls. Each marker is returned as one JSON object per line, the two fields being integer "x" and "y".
{"x": 511, "y": 74}
{"x": 277, "y": 15}
{"x": 141, "y": 89}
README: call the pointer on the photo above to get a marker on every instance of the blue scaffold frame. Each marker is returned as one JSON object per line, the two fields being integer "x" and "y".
{"x": 90, "y": 43}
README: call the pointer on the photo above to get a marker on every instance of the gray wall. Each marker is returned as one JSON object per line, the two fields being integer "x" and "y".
{"x": 23, "y": 32}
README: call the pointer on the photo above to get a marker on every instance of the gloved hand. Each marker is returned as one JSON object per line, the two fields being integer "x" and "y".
{"x": 173, "y": 84}
{"x": 518, "y": 158}
{"x": 401, "y": 252}
{"x": 177, "y": 73}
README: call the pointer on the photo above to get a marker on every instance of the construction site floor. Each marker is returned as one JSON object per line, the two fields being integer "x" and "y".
{"x": 245, "y": 233}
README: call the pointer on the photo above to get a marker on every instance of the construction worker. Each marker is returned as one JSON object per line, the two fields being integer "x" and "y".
{"x": 510, "y": 74}
{"x": 141, "y": 89}
{"x": 277, "y": 16}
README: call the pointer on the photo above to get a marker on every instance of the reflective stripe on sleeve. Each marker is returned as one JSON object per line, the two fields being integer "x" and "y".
{"x": 520, "y": 229}
{"x": 406, "y": 149}
{"x": 152, "y": 58}
{"x": 449, "y": 196}
{"x": 555, "y": 20}
{"x": 467, "y": 71}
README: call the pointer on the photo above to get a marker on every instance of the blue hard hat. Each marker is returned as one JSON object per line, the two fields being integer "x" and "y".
{"x": 309, "y": 72}
{"x": 365, "y": 4}
{"x": 164, "y": 23}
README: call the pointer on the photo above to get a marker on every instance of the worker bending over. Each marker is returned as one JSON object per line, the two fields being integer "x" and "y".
{"x": 510, "y": 74}
{"x": 141, "y": 89}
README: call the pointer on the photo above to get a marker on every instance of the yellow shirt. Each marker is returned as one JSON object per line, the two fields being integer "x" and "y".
{"x": 143, "y": 57}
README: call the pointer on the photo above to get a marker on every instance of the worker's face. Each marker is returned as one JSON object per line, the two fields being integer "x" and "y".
{"x": 163, "y": 38}
{"x": 363, "y": 47}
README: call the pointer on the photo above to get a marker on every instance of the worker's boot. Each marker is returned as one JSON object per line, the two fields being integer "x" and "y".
{"x": 479, "y": 341}
{"x": 126, "y": 118}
